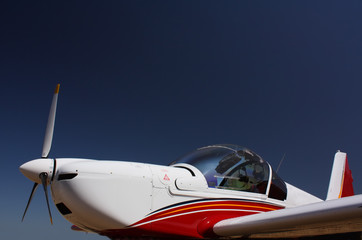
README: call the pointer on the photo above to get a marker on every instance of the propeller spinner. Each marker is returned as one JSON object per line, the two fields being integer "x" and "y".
{"x": 41, "y": 171}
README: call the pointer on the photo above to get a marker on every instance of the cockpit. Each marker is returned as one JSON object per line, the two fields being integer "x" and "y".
{"x": 233, "y": 167}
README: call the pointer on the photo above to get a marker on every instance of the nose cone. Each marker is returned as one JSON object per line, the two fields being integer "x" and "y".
{"x": 33, "y": 168}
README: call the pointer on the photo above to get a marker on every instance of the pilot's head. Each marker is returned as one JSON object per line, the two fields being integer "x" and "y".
{"x": 258, "y": 171}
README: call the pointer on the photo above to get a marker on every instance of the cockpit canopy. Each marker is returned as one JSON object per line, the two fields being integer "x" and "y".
{"x": 235, "y": 168}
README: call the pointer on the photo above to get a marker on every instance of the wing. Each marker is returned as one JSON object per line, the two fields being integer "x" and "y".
{"x": 322, "y": 218}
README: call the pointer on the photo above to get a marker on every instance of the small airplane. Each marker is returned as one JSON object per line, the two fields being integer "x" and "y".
{"x": 218, "y": 191}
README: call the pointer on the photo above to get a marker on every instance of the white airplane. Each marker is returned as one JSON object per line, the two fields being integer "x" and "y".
{"x": 218, "y": 191}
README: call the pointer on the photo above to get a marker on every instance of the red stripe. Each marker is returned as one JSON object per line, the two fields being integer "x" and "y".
{"x": 193, "y": 220}
{"x": 231, "y": 205}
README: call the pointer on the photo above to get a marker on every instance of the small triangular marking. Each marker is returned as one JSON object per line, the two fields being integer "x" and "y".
{"x": 166, "y": 178}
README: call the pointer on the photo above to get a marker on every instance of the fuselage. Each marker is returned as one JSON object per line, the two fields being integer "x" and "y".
{"x": 116, "y": 198}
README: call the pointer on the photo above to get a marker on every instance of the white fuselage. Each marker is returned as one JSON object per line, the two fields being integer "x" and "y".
{"x": 103, "y": 195}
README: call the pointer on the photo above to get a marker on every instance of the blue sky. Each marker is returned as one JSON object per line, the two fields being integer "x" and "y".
{"x": 149, "y": 81}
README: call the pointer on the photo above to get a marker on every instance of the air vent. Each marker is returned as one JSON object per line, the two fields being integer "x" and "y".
{"x": 66, "y": 176}
{"x": 63, "y": 209}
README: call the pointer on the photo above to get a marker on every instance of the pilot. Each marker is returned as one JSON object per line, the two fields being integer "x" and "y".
{"x": 258, "y": 173}
{"x": 258, "y": 178}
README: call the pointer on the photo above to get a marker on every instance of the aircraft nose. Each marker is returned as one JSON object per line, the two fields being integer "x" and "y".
{"x": 33, "y": 168}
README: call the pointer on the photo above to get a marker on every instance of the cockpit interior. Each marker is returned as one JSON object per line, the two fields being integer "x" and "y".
{"x": 232, "y": 167}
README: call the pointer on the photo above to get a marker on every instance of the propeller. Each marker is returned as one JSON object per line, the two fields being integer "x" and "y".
{"x": 30, "y": 198}
{"x": 44, "y": 180}
{"x": 41, "y": 171}
{"x": 50, "y": 125}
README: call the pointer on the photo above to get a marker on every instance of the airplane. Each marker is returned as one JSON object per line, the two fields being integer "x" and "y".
{"x": 218, "y": 191}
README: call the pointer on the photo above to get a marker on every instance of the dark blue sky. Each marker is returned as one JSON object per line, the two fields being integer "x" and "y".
{"x": 149, "y": 81}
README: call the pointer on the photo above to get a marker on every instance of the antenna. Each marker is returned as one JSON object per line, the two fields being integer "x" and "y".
{"x": 280, "y": 163}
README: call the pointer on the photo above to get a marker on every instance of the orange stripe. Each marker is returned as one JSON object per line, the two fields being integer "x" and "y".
{"x": 217, "y": 205}
{"x": 341, "y": 190}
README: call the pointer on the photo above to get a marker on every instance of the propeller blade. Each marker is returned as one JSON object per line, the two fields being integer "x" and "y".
{"x": 50, "y": 125}
{"x": 44, "y": 178}
{"x": 30, "y": 198}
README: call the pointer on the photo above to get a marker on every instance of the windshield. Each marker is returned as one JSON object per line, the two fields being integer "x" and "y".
{"x": 230, "y": 167}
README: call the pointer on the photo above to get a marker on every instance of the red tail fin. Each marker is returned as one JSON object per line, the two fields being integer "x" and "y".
{"x": 347, "y": 186}
{"x": 340, "y": 184}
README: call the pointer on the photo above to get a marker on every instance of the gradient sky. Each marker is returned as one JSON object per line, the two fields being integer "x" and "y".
{"x": 149, "y": 81}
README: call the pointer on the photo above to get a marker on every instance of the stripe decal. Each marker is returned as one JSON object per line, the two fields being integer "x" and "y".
{"x": 216, "y": 205}
{"x": 194, "y": 212}
{"x": 245, "y": 207}
{"x": 190, "y": 219}
{"x": 211, "y": 200}
{"x": 342, "y": 181}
